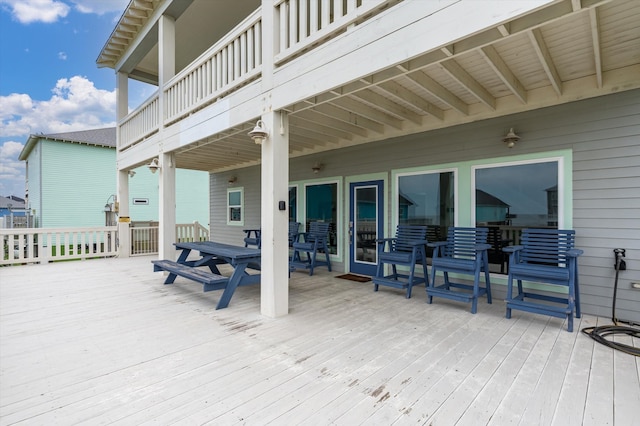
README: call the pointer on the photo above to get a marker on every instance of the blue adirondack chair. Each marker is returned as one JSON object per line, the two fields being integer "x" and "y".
{"x": 294, "y": 230}
{"x": 311, "y": 242}
{"x": 406, "y": 249}
{"x": 545, "y": 256}
{"x": 464, "y": 252}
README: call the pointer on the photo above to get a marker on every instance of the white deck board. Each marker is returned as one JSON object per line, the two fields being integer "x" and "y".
{"x": 104, "y": 341}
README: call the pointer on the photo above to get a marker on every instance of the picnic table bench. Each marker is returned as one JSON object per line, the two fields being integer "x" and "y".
{"x": 210, "y": 280}
{"x": 213, "y": 254}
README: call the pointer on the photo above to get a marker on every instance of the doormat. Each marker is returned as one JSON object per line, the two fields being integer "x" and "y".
{"x": 353, "y": 277}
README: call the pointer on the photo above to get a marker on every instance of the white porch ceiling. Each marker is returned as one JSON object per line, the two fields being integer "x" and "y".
{"x": 570, "y": 50}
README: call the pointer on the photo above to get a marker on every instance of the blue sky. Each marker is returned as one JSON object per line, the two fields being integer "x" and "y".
{"x": 49, "y": 80}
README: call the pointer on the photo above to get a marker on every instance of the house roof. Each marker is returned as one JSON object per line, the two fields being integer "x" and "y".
{"x": 485, "y": 199}
{"x": 105, "y": 137}
{"x": 15, "y": 204}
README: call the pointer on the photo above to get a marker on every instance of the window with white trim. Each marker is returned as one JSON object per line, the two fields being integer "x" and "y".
{"x": 235, "y": 206}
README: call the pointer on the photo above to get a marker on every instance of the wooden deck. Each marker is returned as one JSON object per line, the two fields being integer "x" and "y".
{"x": 104, "y": 341}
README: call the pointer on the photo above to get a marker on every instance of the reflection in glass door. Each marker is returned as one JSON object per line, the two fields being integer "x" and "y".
{"x": 365, "y": 225}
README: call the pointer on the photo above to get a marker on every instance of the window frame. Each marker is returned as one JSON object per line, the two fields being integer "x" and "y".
{"x": 302, "y": 210}
{"x": 241, "y": 206}
{"x": 506, "y": 162}
{"x": 464, "y": 183}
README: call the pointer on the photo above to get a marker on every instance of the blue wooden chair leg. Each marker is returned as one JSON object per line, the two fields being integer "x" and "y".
{"x": 312, "y": 262}
{"x": 328, "y": 260}
{"x": 509, "y": 295}
{"x": 577, "y": 296}
{"x": 487, "y": 281}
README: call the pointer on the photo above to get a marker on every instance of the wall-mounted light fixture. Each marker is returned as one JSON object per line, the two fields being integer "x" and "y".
{"x": 511, "y": 138}
{"x": 317, "y": 167}
{"x": 154, "y": 165}
{"x": 131, "y": 173}
{"x": 259, "y": 134}
{"x": 232, "y": 180}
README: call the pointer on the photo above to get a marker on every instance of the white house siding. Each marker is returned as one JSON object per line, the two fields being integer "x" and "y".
{"x": 602, "y": 133}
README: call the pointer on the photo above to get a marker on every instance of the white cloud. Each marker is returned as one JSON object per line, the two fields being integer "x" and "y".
{"x": 48, "y": 11}
{"x": 12, "y": 180}
{"x": 62, "y": 56}
{"x": 76, "y": 104}
{"x": 28, "y": 11}
{"x": 100, "y": 6}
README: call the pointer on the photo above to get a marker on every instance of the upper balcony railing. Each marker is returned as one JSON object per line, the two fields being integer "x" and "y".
{"x": 237, "y": 59}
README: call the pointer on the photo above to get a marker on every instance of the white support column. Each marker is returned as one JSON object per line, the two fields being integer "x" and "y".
{"x": 122, "y": 109}
{"x": 274, "y": 280}
{"x": 124, "y": 234}
{"x": 167, "y": 172}
{"x": 166, "y": 58}
{"x": 167, "y": 208}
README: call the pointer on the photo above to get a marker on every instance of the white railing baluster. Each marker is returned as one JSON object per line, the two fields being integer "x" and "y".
{"x": 42, "y": 245}
{"x": 237, "y": 59}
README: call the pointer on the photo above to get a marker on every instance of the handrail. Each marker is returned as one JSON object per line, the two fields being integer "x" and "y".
{"x": 141, "y": 123}
{"x": 305, "y": 24}
{"x": 43, "y": 245}
{"x": 232, "y": 62}
{"x": 237, "y": 59}
{"x": 144, "y": 239}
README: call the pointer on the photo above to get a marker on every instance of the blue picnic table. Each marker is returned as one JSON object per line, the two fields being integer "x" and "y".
{"x": 211, "y": 255}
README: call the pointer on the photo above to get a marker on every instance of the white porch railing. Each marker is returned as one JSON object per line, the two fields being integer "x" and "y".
{"x": 141, "y": 123}
{"x": 42, "y": 245}
{"x": 237, "y": 59}
{"x": 232, "y": 62}
{"x": 305, "y": 24}
{"x": 144, "y": 239}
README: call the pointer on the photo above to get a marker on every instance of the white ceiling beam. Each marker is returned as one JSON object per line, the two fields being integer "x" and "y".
{"x": 595, "y": 36}
{"x": 313, "y": 115}
{"x": 546, "y": 61}
{"x": 504, "y": 72}
{"x": 351, "y": 117}
{"x": 315, "y": 126}
{"x": 394, "y": 109}
{"x": 433, "y": 87}
{"x": 401, "y": 92}
{"x": 469, "y": 83}
{"x": 368, "y": 112}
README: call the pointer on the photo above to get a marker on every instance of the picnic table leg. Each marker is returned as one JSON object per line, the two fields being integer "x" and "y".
{"x": 181, "y": 259}
{"x": 183, "y": 256}
{"x": 233, "y": 283}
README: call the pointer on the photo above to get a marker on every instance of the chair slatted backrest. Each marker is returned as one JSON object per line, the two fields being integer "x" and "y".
{"x": 318, "y": 230}
{"x": 293, "y": 231}
{"x": 461, "y": 241}
{"x": 546, "y": 246}
{"x": 433, "y": 233}
{"x": 408, "y": 234}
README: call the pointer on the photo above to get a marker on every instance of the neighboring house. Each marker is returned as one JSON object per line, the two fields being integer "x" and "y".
{"x": 71, "y": 182}
{"x": 12, "y": 212}
{"x": 413, "y": 99}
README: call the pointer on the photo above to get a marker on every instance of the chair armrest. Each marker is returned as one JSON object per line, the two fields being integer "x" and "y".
{"x": 483, "y": 247}
{"x": 512, "y": 249}
{"x": 437, "y": 244}
{"x": 384, "y": 240}
{"x": 574, "y": 252}
{"x": 419, "y": 242}
{"x": 301, "y": 235}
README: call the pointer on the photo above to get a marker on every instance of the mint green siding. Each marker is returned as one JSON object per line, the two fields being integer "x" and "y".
{"x": 77, "y": 180}
{"x": 70, "y": 183}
